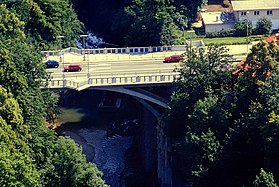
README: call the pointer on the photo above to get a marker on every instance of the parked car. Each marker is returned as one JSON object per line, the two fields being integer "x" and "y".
{"x": 173, "y": 58}
{"x": 51, "y": 64}
{"x": 72, "y": 67}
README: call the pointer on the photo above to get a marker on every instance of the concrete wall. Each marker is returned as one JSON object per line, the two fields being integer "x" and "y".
{"x": 218, "y": 27}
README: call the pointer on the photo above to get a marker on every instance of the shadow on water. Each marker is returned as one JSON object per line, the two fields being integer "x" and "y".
{"x": 87, "y": 113}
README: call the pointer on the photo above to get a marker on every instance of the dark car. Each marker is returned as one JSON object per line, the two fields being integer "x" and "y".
{"x": 173, "y": 58}
{"x": 72, "y": 67}
{"x": 52, "y": 64}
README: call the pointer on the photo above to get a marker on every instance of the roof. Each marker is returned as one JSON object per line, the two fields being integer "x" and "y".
{"x": 213, "y": 18}
{"x": 274, "y": 37}
{"x": 240, "y": 5}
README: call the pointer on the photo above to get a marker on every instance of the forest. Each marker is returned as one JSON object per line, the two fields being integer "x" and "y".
{"x": 223, "y": 123}
{"x": 31, "y": 154}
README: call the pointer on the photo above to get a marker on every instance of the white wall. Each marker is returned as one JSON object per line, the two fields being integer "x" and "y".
{"x": 218, "y": 27}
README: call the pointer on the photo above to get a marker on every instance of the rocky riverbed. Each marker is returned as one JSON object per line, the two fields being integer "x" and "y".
{"x": 108, "y": 153}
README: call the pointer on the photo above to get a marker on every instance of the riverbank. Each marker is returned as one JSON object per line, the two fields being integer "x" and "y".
{"x": 104, "y": 135}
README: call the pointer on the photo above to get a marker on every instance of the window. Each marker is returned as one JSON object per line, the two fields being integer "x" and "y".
{"x": 269, "y": 12}
{"x": 243, "y": 13}
{"x": 256, "y": 13}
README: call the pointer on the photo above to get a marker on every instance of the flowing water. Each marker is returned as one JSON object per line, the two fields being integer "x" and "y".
{"x": 105, "y": 134}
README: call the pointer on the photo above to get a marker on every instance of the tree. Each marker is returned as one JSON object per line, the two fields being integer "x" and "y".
{"x": 198, "y": 119}
{"x": 224, "y": 133}
{"x": 241, "y": 28}
{"x": 263, "y": 26}
{"x": 264, "y": 179}
{"x": 16, "y": 166}
{"x": 45, "y": 20}
{"x": 201, "y": 73}
{"x": 27, "y": 147}
{"x": 70, "y": 167}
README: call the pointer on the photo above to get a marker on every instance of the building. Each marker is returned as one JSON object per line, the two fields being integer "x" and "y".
{"x": 217, "y": 21}
{"x": 252, "y": 10}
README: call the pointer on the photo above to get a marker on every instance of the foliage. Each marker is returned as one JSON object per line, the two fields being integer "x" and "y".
{"x": 264, "y": 179}
{"x": 263, "y": 26}
{"x": 45, "y": 20}
{"x": 243, "y": 28}
{"x": 16, "y": 166}
{"x": 224, "y": 131}
{"x": 138, "y": 23}
{"x": 30, "y": 153}
{"x": 10, "y": 25}
{"x": 70, "y": 167}
{"x": 222, "y": 33}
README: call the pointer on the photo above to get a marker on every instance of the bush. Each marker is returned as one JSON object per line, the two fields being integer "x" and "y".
{"x": 222, "y": 33}
{"x": 241, "y": 28}
{"x": 263, "y": 26}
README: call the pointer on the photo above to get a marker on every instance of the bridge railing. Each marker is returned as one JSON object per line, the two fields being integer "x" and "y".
{"x": 114, "y": 81}
{"x": 123, "y": 50}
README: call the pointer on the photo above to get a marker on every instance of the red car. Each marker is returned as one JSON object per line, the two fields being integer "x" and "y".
{"x": 173, "y": 58}
{"x": 72, "y": 67}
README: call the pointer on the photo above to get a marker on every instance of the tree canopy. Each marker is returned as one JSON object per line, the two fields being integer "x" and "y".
{"x": 30, "y": 153}
{"x": 225, "y": 126}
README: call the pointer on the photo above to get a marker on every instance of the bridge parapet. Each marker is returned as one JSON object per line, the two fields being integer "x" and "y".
{"x": 113, "y": 81}
{"x": 123, "y": 50}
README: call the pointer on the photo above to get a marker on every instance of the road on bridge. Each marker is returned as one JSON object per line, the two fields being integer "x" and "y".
{"x": 98, "y": 65}
{"x": 102, "y": 65}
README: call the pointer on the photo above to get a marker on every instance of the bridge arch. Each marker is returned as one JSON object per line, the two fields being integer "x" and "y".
{"x": 139, "y": 93}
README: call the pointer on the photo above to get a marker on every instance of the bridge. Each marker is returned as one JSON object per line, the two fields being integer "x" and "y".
{"x": 116, "y": 69}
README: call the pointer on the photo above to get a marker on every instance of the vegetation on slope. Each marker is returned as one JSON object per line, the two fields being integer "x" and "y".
{"x": 226, "y": 127}
{"x": 31, "y": 154}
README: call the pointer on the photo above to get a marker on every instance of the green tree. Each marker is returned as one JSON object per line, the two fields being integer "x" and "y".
{"x": 10, "y": 25}
{"x": 70, "y": 167}
{"x": 16, "y": 166}
{"x": 45, "y": 20}
{"x": 263, "y": 26}
{"x": 241, "y": 28}
{"x": 224, "y": 133}
{"x": 28, "y": 148}
{"x": 264, "y": 179}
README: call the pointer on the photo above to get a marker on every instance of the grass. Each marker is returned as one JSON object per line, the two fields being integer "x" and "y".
{"x": 224, "y": 40}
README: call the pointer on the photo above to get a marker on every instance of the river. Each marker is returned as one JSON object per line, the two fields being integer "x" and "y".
{"x": 105, "y": 133}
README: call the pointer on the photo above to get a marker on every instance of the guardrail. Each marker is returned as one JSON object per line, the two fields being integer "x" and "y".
{"x": 123, "y": 50}
{"x": 114, "y": 81}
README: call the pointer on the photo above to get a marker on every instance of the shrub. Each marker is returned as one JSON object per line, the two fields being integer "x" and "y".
{"x": 222, "y": 33}
{"x": 241, "y": 28}
{"x": 263, "y": 26}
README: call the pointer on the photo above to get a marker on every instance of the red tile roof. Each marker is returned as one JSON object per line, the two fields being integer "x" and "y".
{"x": 274, "y": 37}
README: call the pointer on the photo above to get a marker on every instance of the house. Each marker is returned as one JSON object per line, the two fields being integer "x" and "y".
{"x": 274, "y": 37}
{"x": 217, "y": 21}
{"x": 252, "y": 10}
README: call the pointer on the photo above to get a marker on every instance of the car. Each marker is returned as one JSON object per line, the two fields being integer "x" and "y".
{"x": 51, "y": 64}
{"x": 72, "y": 67}
{"x": 173, "y": 58}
